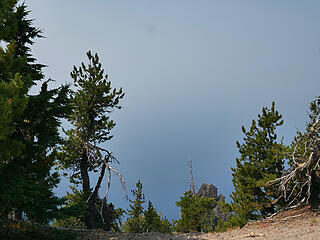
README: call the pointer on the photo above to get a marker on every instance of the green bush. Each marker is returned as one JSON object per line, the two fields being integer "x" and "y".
{"x": 209, "y": 221}
{"x": 74, "y": 211}
{"x": 153, "y": 222}
{"x": 232, "y": 222}
{"x": 193, "y": 212}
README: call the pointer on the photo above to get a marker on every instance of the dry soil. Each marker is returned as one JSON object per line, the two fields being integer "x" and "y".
{"x": 303, "y": 224}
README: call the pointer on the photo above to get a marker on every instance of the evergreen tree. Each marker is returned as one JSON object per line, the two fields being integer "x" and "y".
{"x": 13, "y": 97}
{"x": 140, "y": 221}
{"x": 74, "y": 210}
{"x": 134, "y": 223}
{"x": 261, "y": 160}
{"x": 165, "y": 226}
{"x": 153, "y": 222}
{"x": 93, "y": 99}
{"x": 152, "y": 219}
{"x": 31, "y": 122}
{"x": 12, "y": 105}
{"x": 75, "y": 205}
{"x": 193, "y": 212}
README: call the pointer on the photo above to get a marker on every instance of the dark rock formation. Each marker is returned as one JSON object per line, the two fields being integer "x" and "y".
{"x": 209, "y": 190}
{"x": 220, "y": 214}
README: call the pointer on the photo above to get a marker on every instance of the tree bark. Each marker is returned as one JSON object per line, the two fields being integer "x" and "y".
{"x": 315, "y": 190}
{"x": 90, "y": 218}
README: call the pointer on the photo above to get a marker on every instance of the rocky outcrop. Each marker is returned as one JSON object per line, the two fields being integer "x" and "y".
{"x": 220, "y": 214}
{"x": 209, "y": 190}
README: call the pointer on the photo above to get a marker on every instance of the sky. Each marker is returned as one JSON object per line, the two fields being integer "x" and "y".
{"x": 193, "y": 73}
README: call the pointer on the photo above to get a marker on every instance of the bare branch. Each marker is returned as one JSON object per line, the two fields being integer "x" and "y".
{"x": 102, "y": 173}
{"x": 109, "y": 179}
{"x": 294, "y": 185}
{"x": 95, "y": 158}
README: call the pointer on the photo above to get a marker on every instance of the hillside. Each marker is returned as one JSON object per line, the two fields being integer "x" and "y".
{"x": 303, "y": 223}
{"x": 292, "y": 224}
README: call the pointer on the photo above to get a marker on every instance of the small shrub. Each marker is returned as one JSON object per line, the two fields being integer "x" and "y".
{"x": 193, "y": 212}
{"x": 74, "y": 211}
{"x": 140, "y": 221}
{"x": 232, "y": 222}
{"x": 209, "y": 222}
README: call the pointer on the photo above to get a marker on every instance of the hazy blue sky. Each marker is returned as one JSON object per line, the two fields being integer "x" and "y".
{"x": 193, "y": 72}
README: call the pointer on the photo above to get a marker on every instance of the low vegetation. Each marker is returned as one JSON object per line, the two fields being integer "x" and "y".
{"x": 140, "y": 221}
{"x": 18, "y": 230}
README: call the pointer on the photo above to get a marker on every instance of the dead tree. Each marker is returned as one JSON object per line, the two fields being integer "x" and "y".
{"x": 192, "y": 188}
{"x": 299, "y": 186}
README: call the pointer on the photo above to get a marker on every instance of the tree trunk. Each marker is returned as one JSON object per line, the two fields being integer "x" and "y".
{"x": 315, "y": 190}
{"x": 90, "y": 218}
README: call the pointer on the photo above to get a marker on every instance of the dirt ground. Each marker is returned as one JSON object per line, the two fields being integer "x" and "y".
{"x": 293, "y": 224}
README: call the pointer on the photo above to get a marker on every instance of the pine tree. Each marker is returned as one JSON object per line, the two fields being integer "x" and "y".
{"x": 33, "y": 120}
{"x": 12, "y": 105}
{"x": 261, "y": 160}
{"x": 141, "y": 221}
{"x": 134, "y": 223}
{"x": 93, "y": 99}
{"x": 153, "y": 222}
{"x": 193, "y": 212}
{"x": 75, "y": 206}
{"x": 74, "y": 210}
{"x": 152, "y": 219}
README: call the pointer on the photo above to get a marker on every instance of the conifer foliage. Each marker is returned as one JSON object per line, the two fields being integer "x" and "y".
{"x": 29, "y": 123}
{"x": 75, "y": 209}
{"x": 152, "y": 219}
{"x": 92, "y": 101}
{"x": 140, "y": 221}
{"x": 261, "y": 160}
{"x": 193, "y": 212}
{"x": 135, "y": 221}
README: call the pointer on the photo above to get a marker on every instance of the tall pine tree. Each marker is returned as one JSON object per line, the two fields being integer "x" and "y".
{"x": 93, "y": 99}
{"x": 193, "y": 211}
{"x": 261, "y": 160}
{"x": 31, "y": 122}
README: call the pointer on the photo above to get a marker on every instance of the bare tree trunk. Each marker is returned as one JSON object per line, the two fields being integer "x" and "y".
{"x": 315, "y": 190}
{"x": 192, "y": 188}
{"x": 90, "y": 218}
